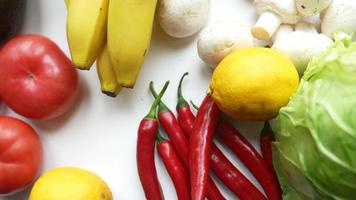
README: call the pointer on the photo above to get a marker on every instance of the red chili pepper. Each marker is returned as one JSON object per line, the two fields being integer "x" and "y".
{"x": 170, "y": 124}
{"x": 145, "y": 152}
{"x": 201, "y": 140}
{"x": 181, "y": 143}
{"x": 250, "y": 157}
{"x": 220, "y": 165}
{"x": 266, "y": 139}
{"x": 185, "y": 116}
{"x": 175, "y": 168}
{"x": 232, "y": 177}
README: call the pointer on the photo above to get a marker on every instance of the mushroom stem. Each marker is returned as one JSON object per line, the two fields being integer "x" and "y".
{"x": 306, "y": 27}
{"x": 266, "y": 25}
{"x": 283, "y": 30}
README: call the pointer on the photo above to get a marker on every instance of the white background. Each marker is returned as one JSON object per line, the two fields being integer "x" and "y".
{"x": 99, "y": 133}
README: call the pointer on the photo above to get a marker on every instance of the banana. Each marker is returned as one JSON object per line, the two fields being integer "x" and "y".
{"x": 106, "y": 74}
{"x": 67, "y": 3}
{"x": 86, "y": 30}
{"x": 129, "y": 33}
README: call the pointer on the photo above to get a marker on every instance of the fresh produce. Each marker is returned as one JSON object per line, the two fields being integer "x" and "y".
{"x": 250, "y": 158}
{"x": 129, "y": 33}
{"x": 86, "y": 30}
{"x": 339, "y": 16}
{"x": 311, "y": 7}
{"x": 68, "y": 184}
{"x": 183, "y": 18}
{"x": 170, "y": 124}
{"x": 181, "y": 143}
{"x": 315, "y": 150}
{"x": 233, "y": 178}
{"x": 175, "y": 168}
{"x": 266, "y": 139}
{"x": 283, "y": 31}
{"x": 200, "y": 143}
{"x": 185, "y": 116}
{"x": 272, "y": 14}
{"x": 253, "y": 83}
{"x": 106, "y": 74}
{"x": 145, "y": 153}
{"x": 11, "y": 17}
{"x": 302, "y": 45}
{"x": 37, "y": 80}
{"x": 221, "y": 38}
{"x": 20, "y": 155}
{"x": 220, "y": 165}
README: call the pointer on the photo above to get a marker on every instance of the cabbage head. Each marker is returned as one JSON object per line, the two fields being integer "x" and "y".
{"x": 315, "y": 151}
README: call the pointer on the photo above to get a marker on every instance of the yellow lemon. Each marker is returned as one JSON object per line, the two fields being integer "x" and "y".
{"x": 70, "y": 184}
{"x": 253, "y": 83}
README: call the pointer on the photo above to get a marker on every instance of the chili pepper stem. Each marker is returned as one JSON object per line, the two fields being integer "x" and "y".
{"x": 194, "y": 105}
{"x": 162, "y": 106}
{"x": 153, "y": 110}
{"x": 267, "y": 130}
{"x": 181, "y": 101}
{"x": 160, "y": 137}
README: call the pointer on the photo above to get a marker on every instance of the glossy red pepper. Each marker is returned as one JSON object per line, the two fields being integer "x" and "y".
{"x": 219, "y": 164}
{"x": 170, "y": 125}
{"x": 145, "y": 152}
{"x": 266, "y": 139}
{"x": 250, "y": 157}
{"x": 185, "y": 116}
{"x": 200, "y": 147}
{"x": 181, "y": 143}
{"x": 232, "y": 177}
{"x": 175, "y": 167}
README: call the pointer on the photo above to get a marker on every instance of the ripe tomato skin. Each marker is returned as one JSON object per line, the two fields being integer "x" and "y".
{"x": 37, "y": 80}
{"x": 20, "y": 155}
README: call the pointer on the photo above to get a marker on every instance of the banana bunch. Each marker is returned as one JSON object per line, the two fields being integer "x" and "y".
{"x": 114, "y": 33}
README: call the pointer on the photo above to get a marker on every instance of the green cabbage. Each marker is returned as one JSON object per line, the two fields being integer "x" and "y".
{"x": 315, "y": 151}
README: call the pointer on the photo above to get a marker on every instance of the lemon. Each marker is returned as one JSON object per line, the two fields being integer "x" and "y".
{"x": 253, "y": 83}
{"x": 70, "y": 184}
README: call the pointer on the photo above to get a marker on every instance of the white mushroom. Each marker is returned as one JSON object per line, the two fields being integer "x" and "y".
{"x": 221, "y": 38}
{"x": 311, "y": 7}
{"x": 302, "y": 45}
{"x": 306, "y": 27}
{"x": 272, "y": 14}
{"x": 183, "y": 18}
{"x": 283, "y": 31}
{"x": 339, "y": 16}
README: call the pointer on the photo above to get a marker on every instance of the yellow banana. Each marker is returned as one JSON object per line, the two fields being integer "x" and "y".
{"x": 106, "y": 74}
{"x": 86, "y": 30}
{"x": 129, "y": 33}
{"x": 67, "y": 3}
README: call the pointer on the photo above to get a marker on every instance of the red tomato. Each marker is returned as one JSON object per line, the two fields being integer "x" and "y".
{"x": 20, "y": 155}
{"x": 37, "y": 80}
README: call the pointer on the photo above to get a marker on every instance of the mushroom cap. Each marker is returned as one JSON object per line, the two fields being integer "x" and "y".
{"x": 220, "y": 38}
{"x": 286, "y": 9}
{"x": 183, "y": 18}
{"x": 311, "y": 7}
{"x": 339, "y": 16}
{"x": 300, "y": 47}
